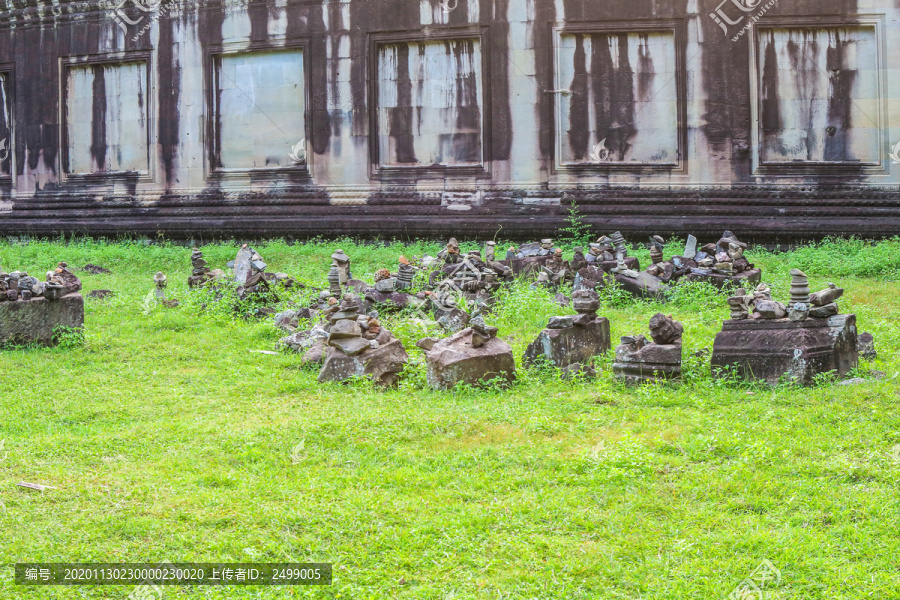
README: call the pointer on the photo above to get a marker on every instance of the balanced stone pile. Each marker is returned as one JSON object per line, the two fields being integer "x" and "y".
{"x": 570, "y": 343}
{"x": 30, "y": 310}
{"x": 771, "y": 341}
{"x": 638, "y": 360}
{"x": 358, "y": 346}
{"x": 201, "y": 274}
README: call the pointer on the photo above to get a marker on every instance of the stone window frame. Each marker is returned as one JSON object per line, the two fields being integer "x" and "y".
{"x": 817, "y": 169}
{"x": 112, "y": 59}
{"x": 213, "y": 53}
{"x": 678, "y": 29}
{"x": 377, "y": 170}
{"x": 8, "y": 70}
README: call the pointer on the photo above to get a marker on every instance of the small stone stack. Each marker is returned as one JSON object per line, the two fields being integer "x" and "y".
{"x": 199, "y": 269}
{"x": 570, "y": 343}
{"x": 160, "y": 281}
{"x": 799, "y": 308}
{"x": 358, "y": 346}
{"x": 824, "y": 304}
{"x": 405, "y": 275}
{"x": 340, "y": 260}
{"x": 637, "y": 360}
{"x": 657, "y": 245}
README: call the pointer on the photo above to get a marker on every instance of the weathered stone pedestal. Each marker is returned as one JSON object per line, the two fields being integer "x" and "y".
{"x": 570, "y": 345}
{"x": 33, "y": 321}
{"x": 767, "y": 350}
{"x": 455, "y": 360}
{"x": 648, "y": 363}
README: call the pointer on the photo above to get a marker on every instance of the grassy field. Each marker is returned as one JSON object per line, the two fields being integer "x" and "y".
{"x": 167, "y": 438}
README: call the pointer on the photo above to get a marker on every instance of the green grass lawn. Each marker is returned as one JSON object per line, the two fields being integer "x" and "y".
{"x": 168, "y": 439}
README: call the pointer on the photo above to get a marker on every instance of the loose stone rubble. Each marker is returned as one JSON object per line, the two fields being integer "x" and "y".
{"x": 571, "y": 342}
{"x": 638, "y": 360}
{"x": 31, "y": 310}
{"x": 769, "y": 341}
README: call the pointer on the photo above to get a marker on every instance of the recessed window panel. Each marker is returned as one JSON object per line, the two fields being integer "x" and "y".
{"x": 430, "y": 104}
{"x": 107, "y": 118}
{"x": 260, "y": 110}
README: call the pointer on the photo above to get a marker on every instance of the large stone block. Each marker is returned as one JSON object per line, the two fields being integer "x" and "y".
{"x": 649, "y": 363}
{"x": 570, "y": 345}
{"x": 33, "y": 321}
{"x": 454, "y": 360}
{"x": 382, "y": 364}
{"x": 768, "y": 350}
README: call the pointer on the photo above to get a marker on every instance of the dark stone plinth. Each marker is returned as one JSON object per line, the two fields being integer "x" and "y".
{"x": 649, "y": 363}
{"x": 454, "y": 360}
{"x": 570, "y": 345}
{"x": 743, "y": 279}
{"x": 33, "y": 321}
{"x": 767, "y": 350}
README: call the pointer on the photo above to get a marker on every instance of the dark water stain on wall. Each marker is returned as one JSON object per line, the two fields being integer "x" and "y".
{"x": 495, "y": 13}
{"x": 338, "y": 30}
{"x": 612, "y": 87}
{"x": 98, "y": 118}
{"x": 770, "y": 116}
{"x": 840, "y": 101}
{"x": 169, "y": 92}
{"x": 579, "y": 133}
{"x": 467, "y": 144}
{"x": 542, "y": 37}
{"x": 401, "y": 116}
{"x": 646, "y": 71}
{"x": 318, "y": 85}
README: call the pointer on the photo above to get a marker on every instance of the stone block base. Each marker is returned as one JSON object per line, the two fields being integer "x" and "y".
{"x": 570, "y": 346}
{"x": 650, "y": 363}
{"x": 768, "y": 350}
{"x": 453, "y": 360}
{"x": 33, "y": 321}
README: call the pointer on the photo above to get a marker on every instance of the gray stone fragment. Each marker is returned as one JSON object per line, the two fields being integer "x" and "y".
{"x": 560, "y": 322}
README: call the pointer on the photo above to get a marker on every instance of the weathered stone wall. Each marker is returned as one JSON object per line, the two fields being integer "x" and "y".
{"x": 419, "y": 117}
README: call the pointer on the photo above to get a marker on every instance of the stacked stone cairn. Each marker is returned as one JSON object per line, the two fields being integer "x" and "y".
{"x": 30, "y": 309}
{"x": 200, "y": 271}
{"x": 638, "y": 360}
{"x": 358, "y": 346}
{"x": 473, "y": 356}
{"x": 570, "y": 343}
{"x": 768, "y": 340}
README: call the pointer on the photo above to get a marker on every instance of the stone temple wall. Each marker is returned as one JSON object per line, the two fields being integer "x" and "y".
{"x": 773, "y": 118}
